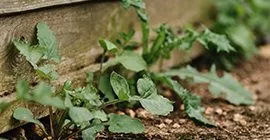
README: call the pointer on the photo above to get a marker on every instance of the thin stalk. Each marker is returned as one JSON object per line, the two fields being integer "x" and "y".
{"x": 111, "y": 103}
{"x": 76, "y": 132}
{"x": 64, "y": 129}
{"x": 51, "y": 122}
{"x": 102, "y": 61}
{"x": 145, "y": 36}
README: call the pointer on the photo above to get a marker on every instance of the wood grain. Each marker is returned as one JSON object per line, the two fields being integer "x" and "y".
{"x": 12, "y": 6}
{"x": 77, "y": 28}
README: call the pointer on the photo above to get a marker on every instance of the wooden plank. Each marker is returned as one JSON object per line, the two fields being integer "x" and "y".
{"x": 12, "y": 6}
{"x": 77, "y": 28}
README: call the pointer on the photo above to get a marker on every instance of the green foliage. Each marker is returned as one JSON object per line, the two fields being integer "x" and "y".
{"x": 246, "y": 23}
{"x": 46, "y": 49}
{"x": 157, "y": 104}
{"x": 80, "y": 115}
{"x": 120, "y": 86}
{"x": 90, "y": 133}
{"x": 107, "y": 45}
{"x": 208, "y": 38}
{"x": 150, "y": 100}
{"x": 124, "y": 124}
{"x": 191, "y": 102}
{"x": 84, "y": 107}
{"x": 224, "y": 86}
{"x": 47, "y": 41}
{"x": 42, "y": 93}
{"x": 105, "y": 87}
{"x": 129, "y": 60}
{"x": 24, "y": 114}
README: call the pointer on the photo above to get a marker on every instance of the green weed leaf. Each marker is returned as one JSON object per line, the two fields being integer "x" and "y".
{"x": 47, "y": 71}
{"x": 107, "y": 45}
{"x": 120, "y": 86}
{"x": 191, "y": 102}
{"x": 80, "y": 115}
{"x": 157, "y": 104}
{"x": 100, "y": 114}
{"x": 42, "y": 94}
{"x": 124, "y": 124}
{"x": 90, "y": 133}
{"x": 47, "y": 40}
{"x": 24, "y": 114}
{"x": 150, "y": 100}
{"x": 225, "y": 86}
{"x": 129, "y": 60}
{"x": 146, "y": 87}
{"x": 105, "y": 87}
{"x": 32, "y": 54}
{"x": 208, "y": 38}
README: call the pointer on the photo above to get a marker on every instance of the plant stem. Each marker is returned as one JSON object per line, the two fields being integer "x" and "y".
{"x": 102, "y": 61}
{"x": 64, "y": 129}
{"x": 111, "y": 103}
{"x": 76, "y": 132}
{"x": 145, "y": 36}
{"x": 51, "y": 122}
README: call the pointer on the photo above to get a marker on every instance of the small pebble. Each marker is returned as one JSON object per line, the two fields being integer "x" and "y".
{"x": 176, "y": 125}
{"x": 239, "y": 118}
{"x": 141, "y": 113}
{"x": 182, "y": 121}
{"x": 252, "y": 108}
{"x": 120, "y": 113}
{"x": 209, "y": 110}
{"x": 131, "y": 113}
{"x": 219, "y": 111}
{"x": 182, "y": 107}
{"x": 168, "y": 121}
{"x": 162, "y": 125}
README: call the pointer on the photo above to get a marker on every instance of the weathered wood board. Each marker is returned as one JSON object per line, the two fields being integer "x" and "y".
{"x": 77, "y": 27}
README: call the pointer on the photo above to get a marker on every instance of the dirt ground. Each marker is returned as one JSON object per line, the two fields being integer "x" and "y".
{"x": 233, "y": 122}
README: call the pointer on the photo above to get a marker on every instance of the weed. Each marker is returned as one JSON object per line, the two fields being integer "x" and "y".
{"x": 83, "y": 110}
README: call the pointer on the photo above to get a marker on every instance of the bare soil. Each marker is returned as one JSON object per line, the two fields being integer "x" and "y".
{"x": 233, "y": 122}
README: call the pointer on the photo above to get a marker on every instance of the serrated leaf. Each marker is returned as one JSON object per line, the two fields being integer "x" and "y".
{"x": 107, "y": 45}
{"x": 3, "y": 106}
{"x": 146, "y": 87}
{"x": 120, "y": 86}
{"x": 191, "y": 102}
{"x": 188, "y": 39}
{"x": 136, "y": 3}
{"x": 80, "y": 114}
{"x": 225, "y": 86}
{"x": 157, "y": 104}
{"x": 208, "y": 38}
{"x": 24, "y": 114}
{"x": 32, "y": 53}
{"x": 124, "y": 124}
{"x": 129, "y": 60}
{"x": 47, "y": 40}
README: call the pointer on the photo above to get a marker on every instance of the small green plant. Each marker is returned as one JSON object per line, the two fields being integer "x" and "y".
{"x": 246, "y": 23}
{"x": 83, "y": 109}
